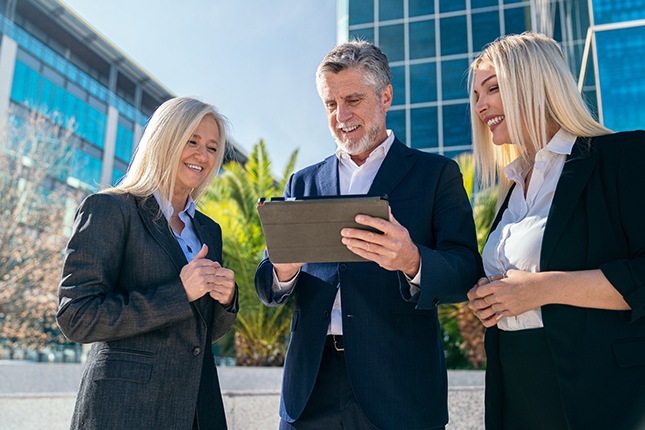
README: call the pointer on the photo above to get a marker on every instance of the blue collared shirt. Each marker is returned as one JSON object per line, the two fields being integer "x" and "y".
{"x": 187, "y": 239}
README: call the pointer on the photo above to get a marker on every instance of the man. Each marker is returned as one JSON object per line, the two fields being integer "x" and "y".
{"x": 365, "y": 350}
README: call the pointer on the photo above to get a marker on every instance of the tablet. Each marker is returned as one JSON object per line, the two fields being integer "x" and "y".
{"x": 307, "y": 230}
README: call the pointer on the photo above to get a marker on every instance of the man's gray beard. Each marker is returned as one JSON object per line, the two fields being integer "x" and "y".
{"x": 367, "y": 142}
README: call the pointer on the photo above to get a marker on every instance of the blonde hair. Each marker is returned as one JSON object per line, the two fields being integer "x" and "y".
{"x": 537, "y": 90}
{"x": 156, "y": 161}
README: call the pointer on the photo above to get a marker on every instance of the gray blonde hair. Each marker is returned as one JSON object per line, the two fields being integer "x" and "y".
{"x": 536, "y": 88}
{"x": 360, "y": 55}
{"x": 156, "y": 161}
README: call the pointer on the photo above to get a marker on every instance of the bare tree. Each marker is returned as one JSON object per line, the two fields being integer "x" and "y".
{"x": 35, "y": 202}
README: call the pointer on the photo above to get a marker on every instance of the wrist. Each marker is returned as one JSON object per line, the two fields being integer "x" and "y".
{"x": 415, "y": 264}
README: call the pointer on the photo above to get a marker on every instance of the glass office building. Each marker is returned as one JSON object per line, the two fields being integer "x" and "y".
{"x": 53, "y": 62}
{"x": 430, "y": 44}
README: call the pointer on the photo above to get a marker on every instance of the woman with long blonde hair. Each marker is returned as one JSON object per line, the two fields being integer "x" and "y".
{"x": 143, "y": 281}
{"x": 564, "y": 295}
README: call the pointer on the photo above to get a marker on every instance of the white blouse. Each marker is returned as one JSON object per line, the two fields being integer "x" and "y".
{"x": 516, "y": 242}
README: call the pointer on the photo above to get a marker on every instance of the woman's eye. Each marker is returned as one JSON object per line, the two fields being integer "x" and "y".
{"x": 212, "y": 149}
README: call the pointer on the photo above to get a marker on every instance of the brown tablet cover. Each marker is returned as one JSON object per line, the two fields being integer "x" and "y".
{"x": 307, "y": 230}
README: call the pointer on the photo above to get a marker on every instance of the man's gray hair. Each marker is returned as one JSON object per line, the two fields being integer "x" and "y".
{"x": 361, "y": 55}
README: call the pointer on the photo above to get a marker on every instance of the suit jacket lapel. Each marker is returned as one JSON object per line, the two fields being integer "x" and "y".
{"x": 327, "y": 181}
{"x": 500, "y": 212}
{"x": 575, "y": 175}
{"x": 205, "y": 236}
{"x": 156, "y": 224}
{"x": 398, "y": 162}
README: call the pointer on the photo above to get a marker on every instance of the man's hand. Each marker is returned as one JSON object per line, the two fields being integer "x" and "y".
{"x": 392, "y": 250}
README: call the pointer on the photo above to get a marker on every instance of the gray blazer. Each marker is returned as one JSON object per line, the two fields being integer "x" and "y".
{"x": 151, "y": 364}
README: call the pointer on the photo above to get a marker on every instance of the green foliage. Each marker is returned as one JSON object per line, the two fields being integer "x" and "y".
{"x": 461, "y": 330}
{"x": 261, "y": 333}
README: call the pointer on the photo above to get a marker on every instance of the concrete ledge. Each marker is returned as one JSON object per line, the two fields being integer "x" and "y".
{"x": 38, "y": 396}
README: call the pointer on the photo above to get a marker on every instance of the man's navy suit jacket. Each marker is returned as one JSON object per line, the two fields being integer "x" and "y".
{"x": 393, "y": 349}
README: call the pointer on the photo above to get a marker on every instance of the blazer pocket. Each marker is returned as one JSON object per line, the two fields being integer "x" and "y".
{"x": 123, "y": 365}
{"x": 629, "y": 353}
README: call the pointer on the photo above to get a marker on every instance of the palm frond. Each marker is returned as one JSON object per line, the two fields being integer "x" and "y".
{"x": 261, "y": 332}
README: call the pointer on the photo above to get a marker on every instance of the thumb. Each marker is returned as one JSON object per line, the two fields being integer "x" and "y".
{"x": 202, "y": 253}
{"x": 392, "y": 219}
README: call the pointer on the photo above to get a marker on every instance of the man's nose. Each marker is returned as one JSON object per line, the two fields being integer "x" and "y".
{"x": 343, "y": 114}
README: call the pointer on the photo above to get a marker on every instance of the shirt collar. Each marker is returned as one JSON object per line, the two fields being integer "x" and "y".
{"x": 561, "y": 144}
{"x": 377, "y": 153}
{"x": 167, "y": 209}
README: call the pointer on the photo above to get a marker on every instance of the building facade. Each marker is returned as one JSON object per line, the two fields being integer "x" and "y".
{"x": 53, "y": 62}
{"x": 430, "y": 44}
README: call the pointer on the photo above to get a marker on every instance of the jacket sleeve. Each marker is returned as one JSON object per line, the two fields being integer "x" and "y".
{"x": 93, "y": 304}
{"x": 628, "y": 275}
{"x": 264, "y": 271}
{"x": 452, "y": 264}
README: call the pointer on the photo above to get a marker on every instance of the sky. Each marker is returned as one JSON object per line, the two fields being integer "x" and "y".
{"x": 253, "y": 59}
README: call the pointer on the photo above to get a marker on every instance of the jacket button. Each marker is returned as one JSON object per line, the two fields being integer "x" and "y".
{"x": 196, "y": 350}
{"x": 325, "y": 315}
{"x": 342, "y": 267}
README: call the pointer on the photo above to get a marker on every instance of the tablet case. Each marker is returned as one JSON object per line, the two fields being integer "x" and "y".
{"x": 307, "y": 230}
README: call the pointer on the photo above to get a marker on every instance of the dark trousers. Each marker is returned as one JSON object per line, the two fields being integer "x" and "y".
{"x": 531, "y": 396}
{"x": 332, "y": 404}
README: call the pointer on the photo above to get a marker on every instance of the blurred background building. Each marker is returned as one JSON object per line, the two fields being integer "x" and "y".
{"x": 54, "y": 62}
{"x": 431, "y": 42}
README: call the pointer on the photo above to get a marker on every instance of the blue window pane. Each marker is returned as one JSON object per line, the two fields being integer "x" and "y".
{"x": 423, "y": 83}
{"x": 453, "y": 35}
{"x": 87, "y": 169}
{"x": 485, "y": 29}
{"x": 123, "y": 148}
{"x": 512, "y": 1}
{"x": 456, "y": 125}
{"x": 621, "y": 70}
{"x": 483, "y": 3}
{"x": 96, "y": 126}
{"x": 451, "y": 5}
{"x": 396, "y": 123}
{"x": 517, "y": 20}
{"x": 117, "y": 175}
{"x": 454, "y": 79}
{"x": 610, "y": 11}
{"x": 398, "y": 85}
{"x": 391, "y": 42}
{"x": 366, "y": 34}
{"x": 422, "y": 40}
{"x": 390, "y": 9}
{"x": 361, "y": 11}
{"x": 51, "y": 101}
{"x": 25, "y": 86}
{"x": 424, "y": 128}
{"x": 420, "y": 7}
